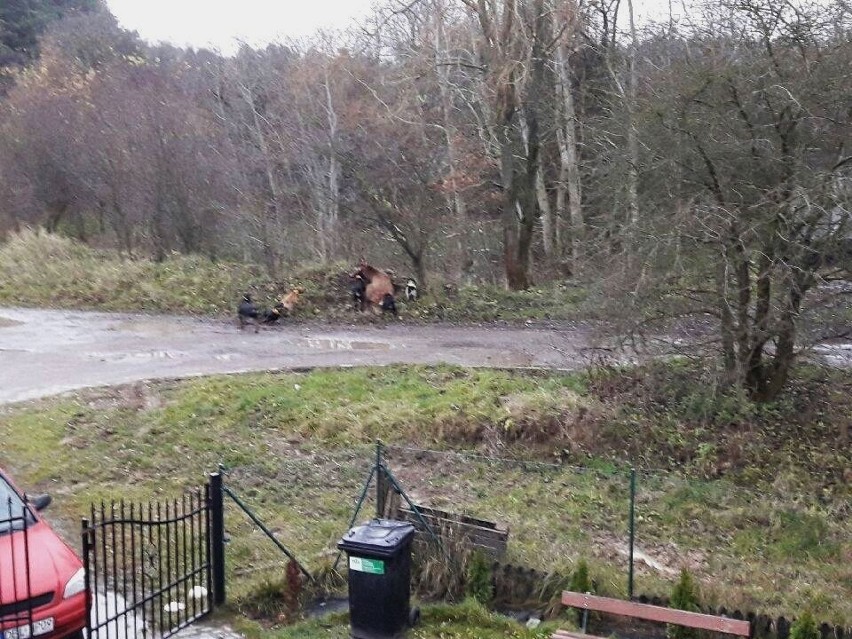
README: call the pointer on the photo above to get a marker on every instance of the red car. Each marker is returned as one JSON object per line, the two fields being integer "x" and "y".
{"x": 42, "y": 581}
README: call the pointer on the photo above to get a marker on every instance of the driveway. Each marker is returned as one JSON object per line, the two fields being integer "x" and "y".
{"x": 45, "y": 352}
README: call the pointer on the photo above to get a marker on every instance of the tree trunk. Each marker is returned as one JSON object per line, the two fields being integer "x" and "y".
{"x": 455, "y": 201}
{"x": 516, "y": 272}
{"x": 628, "y": 98}
{"x": 328, "y": 223}
{"x": 569, "y": 167}
{"x": 726, "y": 318}
{"x": 419, "y": 265}
{"x": 547, "y": 225}
{"x": 272, "y": 208}
{"x": 632, "y": 134}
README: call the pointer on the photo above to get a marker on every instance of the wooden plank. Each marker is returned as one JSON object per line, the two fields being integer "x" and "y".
{"x": 467, "y": 519}
{"x": 490, "y": 548}
{"x": 492, "y": 540}
{"x": 458, "y": 521}
{"x": 488, "y": 536}
{"x": 657, "y": 613}
{"x": 487, "y": 544}
{"x": 432, "y": 519}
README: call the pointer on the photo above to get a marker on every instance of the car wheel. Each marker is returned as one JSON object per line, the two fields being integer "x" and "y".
{"x": 77, "y": 635}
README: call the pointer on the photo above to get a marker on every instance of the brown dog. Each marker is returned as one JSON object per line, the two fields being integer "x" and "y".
{"x": 289, "y": 301}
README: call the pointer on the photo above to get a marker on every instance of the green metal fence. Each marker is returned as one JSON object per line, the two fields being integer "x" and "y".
{"x": 635, "y": 529}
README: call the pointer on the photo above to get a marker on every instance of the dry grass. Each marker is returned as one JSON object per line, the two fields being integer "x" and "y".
{"x": 42, "y": 269}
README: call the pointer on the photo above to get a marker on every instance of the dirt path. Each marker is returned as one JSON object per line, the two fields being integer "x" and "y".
{"x": 45, "y": 352}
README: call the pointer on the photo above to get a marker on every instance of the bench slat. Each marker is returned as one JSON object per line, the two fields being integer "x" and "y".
{"x": 657, "y": 613}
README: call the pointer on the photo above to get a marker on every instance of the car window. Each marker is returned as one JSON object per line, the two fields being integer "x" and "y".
{"x": 13, "y": 511}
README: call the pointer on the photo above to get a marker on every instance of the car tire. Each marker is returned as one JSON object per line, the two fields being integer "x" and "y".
{"x": 77, "y": 635}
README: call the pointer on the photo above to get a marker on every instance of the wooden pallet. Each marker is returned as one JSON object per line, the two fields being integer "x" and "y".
{"x": 490, "y": 537}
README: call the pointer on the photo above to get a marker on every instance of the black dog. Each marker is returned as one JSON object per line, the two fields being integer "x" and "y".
{"x": 274, "y": 314}
{"x": 411, "y": 290}
{"x": 247, "y": 312}
{"x": 359, "y": 290}
{"x": 389, "y": 303}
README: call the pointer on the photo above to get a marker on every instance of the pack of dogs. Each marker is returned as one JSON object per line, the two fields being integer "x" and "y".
{"x": 371, "y": 289}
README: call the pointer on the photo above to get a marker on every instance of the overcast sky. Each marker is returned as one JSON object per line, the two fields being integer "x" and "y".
{"x": 221, "y": 23}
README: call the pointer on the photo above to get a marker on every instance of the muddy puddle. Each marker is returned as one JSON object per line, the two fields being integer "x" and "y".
{"x": 336, "y": 344}
{"x": 142, "y": 356}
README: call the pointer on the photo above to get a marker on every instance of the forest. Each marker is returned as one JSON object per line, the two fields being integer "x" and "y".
{"x": 699, "y": 165}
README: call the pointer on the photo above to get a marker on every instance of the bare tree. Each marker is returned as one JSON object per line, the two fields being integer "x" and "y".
{"x": 514, "y": 79}
{"x": 764, "y": 128}
{"x": 568, "y": 186}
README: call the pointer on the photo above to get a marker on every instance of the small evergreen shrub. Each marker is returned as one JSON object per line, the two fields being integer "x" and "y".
{"x": 479, "y": 584}
{"x": 684, "y": 597}
{"x": 580, "y": 580}
{"x": 805, "y": 627}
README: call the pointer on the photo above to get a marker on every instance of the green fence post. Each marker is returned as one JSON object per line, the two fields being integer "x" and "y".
{"x": 380, "y": 485}
{"x": 632, "y": 530}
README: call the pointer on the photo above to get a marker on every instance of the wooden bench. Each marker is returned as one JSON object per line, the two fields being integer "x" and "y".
{"x": 649, "y": 613}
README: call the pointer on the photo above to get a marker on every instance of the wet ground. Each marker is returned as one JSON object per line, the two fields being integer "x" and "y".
{"x": 45, "y": 352}
{"x": 123, "y": 625}
{"x": 201, "y": 631}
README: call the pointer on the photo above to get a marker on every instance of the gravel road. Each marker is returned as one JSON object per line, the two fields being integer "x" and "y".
{"x": 46, "y": 352}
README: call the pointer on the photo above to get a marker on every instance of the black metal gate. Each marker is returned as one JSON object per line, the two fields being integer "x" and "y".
{"x": 150, "y": 567}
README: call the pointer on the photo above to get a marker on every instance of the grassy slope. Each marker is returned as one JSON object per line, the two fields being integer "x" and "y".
{"x": 37, "y": 269}
{"x": 759, "y": 499}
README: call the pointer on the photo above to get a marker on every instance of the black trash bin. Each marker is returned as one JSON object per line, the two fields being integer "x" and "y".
{"x": 379, "y": 578}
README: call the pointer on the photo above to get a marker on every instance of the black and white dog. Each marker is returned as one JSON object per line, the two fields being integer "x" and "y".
{"x": 411, "y": 290}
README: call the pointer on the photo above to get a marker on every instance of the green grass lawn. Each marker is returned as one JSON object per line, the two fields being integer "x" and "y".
{"x": 467, "y": 620}
{"x": 298, "y": 447}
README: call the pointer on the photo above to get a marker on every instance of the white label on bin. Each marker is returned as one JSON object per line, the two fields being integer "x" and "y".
{"x": 362, "y": 564}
